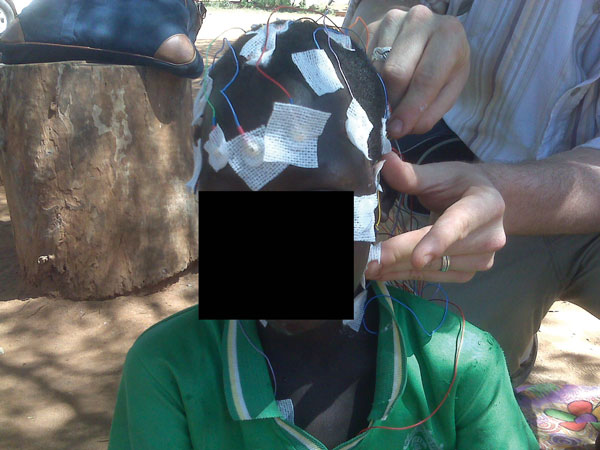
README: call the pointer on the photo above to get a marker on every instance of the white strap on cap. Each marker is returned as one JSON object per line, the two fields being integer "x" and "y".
{"x": 246, "y": 153}
{"x": 364, "y": 217}
{"x": 375, "y": 252}
{"x": 341, "y": 38}
{"x": 254, "y": 47}
{"x": 358, "y": 127}
{"x": 377, "y": 170}
{"x": 318, "y": 71}
{"x": 292, "y": 135}
{"x": 386, "y": 145}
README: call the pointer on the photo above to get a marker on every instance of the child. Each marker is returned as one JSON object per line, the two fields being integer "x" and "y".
{"x": 412, "y": 376}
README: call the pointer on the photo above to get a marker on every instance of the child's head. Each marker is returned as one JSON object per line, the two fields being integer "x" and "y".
{"x": 257, "y": 137}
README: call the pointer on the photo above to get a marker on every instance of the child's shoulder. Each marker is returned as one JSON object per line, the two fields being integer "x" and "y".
{"x": 418, "y": 316}
{"x": 177, "y": 331}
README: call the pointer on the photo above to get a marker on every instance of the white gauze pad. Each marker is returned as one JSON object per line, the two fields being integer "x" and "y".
{"x": 216, "y": 147}
{"x": 358, "y": 127}
{"x": 292, "y": 134}
{"x": 254, "y": 47}
{"x": 191, "y": 185}
{"x": 386, "y": 145}
{"x": 318, "y": 71}
{"x": 341, "y": 38}
{"x": 201, "y": 99}
{"x": 364, "y": 217}
{"x": 246, "y": 157}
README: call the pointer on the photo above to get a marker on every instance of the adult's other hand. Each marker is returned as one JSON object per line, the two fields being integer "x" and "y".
{"x": 468, "y": 228}
{"x": 428, "y": 64}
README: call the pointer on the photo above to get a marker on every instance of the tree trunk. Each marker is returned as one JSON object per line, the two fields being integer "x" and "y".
{"x": 94, "y": 159}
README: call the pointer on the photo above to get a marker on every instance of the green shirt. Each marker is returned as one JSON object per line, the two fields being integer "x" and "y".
{"x": 198, "y": 384}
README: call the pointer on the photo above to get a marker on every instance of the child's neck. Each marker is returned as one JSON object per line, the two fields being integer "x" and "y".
{"x": 328, "y": 373}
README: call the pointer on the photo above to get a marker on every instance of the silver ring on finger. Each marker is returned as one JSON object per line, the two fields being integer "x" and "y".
{"x": 380, "y": 53}
{"x": 445, "y": 263}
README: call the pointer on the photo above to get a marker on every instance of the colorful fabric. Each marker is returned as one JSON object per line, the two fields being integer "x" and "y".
{"x": 561, "y": 416}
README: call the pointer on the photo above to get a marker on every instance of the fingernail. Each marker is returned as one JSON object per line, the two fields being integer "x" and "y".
{"x": 395, "y": 127}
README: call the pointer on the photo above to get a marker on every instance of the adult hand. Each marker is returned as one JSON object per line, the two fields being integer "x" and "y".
{"x": 426, "y": 69}
{"x": 468, "y": 228}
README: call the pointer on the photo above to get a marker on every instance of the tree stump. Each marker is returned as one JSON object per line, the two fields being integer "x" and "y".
{"x": 94, "y": 159}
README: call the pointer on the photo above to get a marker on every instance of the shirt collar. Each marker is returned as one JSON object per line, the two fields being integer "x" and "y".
{"x": 247, "y": 381}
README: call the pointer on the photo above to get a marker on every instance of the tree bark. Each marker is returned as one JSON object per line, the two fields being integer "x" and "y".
{"x": 94, "y": 159}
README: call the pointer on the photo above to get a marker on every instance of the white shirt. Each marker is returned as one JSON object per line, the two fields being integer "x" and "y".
{"x": 534, "y": 86}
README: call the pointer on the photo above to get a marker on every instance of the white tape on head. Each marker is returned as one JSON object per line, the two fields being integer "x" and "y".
{"x": 386, "y": 145}
{"x": 246, "y": 157}
{"x": 216, "y": 147}
{"x": 201, "y": 99}
{"x": 358, "y": 127}
{"x": 375, "y": 253}
{"x": 254, "y": 47}
{"x": 364, "y": 217}
{"x": 292, "y": 135}
{"x": 341, "y": 38}
{"x": 318, "y": 71}
{"x": 191, "y": 185}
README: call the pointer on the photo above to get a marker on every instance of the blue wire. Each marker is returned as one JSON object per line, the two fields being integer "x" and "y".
{"x": 439, "y": 288}
{"x": 265, "y": 356}
{"x": 409, "y": 309}
{"x": 387, "y": 108}
{"x": 326, "y": 30}
{"x": 378, "y": 76}
{"x": 315, "y": 36}
{"x": 215, "y": 57}
{"x": 237, "y": 71}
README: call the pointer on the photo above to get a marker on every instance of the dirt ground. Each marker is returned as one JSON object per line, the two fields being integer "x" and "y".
{"x": 60, "y": 360}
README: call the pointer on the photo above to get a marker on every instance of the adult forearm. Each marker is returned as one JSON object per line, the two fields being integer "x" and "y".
{"x": 557, "y": 195}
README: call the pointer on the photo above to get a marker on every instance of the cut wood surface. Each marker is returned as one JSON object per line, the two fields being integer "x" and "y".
{"x": 94, "y": 159}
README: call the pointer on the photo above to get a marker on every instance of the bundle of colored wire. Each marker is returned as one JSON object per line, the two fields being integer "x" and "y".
{"x": 262, "y": 72}
{"x": 428, "y": 333}
{"x": 458, "y": 349}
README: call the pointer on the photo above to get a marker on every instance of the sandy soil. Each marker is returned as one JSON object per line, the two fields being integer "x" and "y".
{"x": 60, "y": 360}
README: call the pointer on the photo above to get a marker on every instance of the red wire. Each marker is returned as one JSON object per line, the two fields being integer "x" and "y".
{"x": 262, "y": 72}
{"x": 364, "y": 25}
{"x": 458, "y": 349}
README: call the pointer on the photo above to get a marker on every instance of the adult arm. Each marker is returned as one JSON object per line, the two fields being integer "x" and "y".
{"x": 556, "y": 195}
{"x": 468, "y": 228}
{"x": 425, "y": 72}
